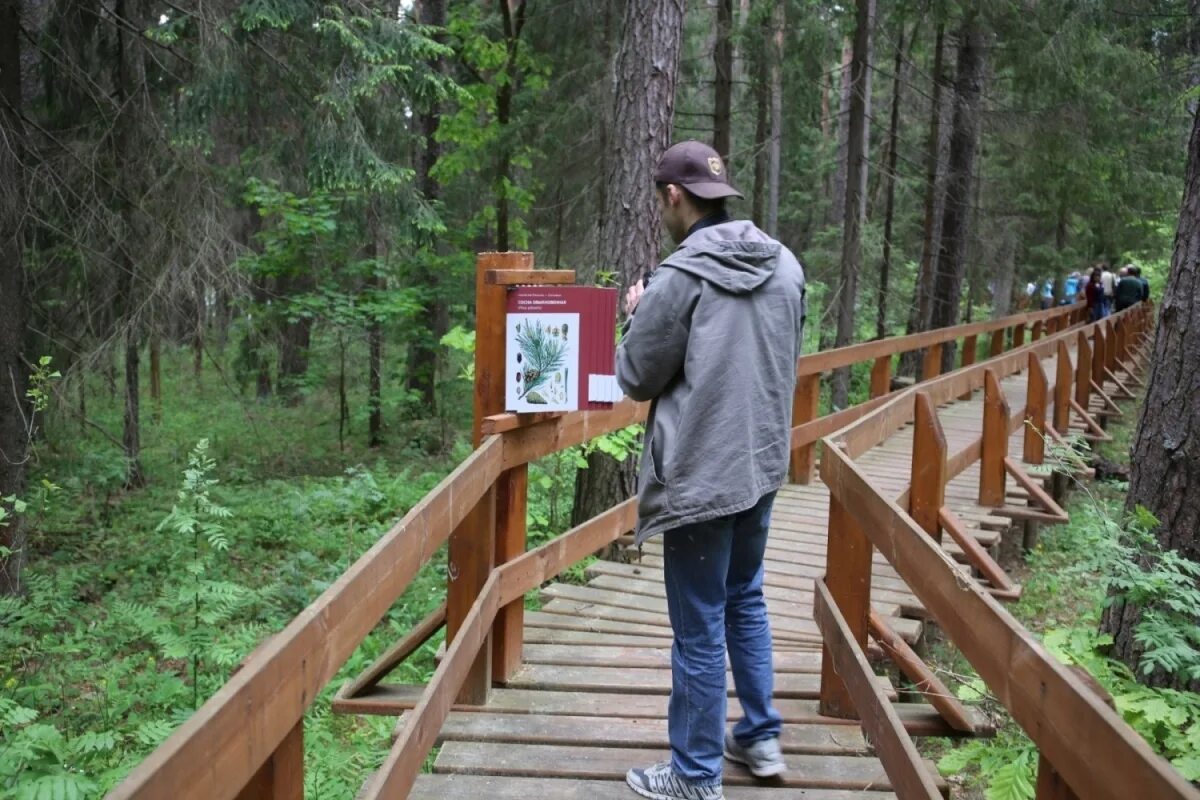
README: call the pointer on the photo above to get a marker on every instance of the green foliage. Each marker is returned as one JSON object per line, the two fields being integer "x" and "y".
{"x": 1074, "y": 567}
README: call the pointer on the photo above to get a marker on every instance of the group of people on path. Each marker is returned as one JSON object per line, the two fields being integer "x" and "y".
{"x": 1104, "y": 291}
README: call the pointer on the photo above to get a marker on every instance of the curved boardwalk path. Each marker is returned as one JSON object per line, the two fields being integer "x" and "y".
{"x": 591, "y": 698}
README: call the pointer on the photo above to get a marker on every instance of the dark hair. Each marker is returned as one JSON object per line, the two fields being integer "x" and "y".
{"x": 705, "y": 207}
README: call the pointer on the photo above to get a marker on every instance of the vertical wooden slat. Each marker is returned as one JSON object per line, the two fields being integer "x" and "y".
{"x": 1083, "y": 370}
{"x": 997, "y": 342}
{"x": 1037, "y": 330}
{"x": 511, "y": 513}
{"x": 848, "y": 576}
{"x": 472, "y": 546}
{"x": 927, "y": 491}
{"x": 1018, "y": 338}
{"x": 970, "y": 347}
{"x": 1035, "y": 412}
{"x": 881, "y": 376}
{"x": 1062, "y": 389}
{"x": 1099, "y": 358}
{"x": 805, "y": 407}
{"x": 282, "y": 776}
{"x": 995, "y": 442}
{"x": 931, "y": 366}
{"x": 1110, "y": 345}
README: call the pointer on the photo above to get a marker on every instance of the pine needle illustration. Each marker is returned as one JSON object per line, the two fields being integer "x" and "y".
{"x": 543, "y": 354}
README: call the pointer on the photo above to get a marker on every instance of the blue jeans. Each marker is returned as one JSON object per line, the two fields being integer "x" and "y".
{"x": 714, "y": 580}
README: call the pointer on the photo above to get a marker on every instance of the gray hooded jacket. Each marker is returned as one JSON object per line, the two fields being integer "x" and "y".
{"x": 714, "y": 344}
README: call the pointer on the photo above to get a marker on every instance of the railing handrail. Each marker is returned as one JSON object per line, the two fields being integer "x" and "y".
{"x": 1042, "y": 695}
{"x": 826, "y": 360}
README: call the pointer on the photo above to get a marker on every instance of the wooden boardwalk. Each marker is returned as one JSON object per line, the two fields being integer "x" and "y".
{"x": 590, "y": 700}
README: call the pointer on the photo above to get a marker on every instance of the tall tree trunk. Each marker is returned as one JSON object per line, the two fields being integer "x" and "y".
{"x": 644, "y": 85}
{"x": 775, "y": 152}
{"x": 837, "y": 205}
{"x": 131, "y": 97}
{"x": 377, "y": 250}
{"x": 512, "y": 15}
{"x": 723, "y": 83}
{"x": 951, "y": 263}
{"x": 14, "y": 430}
{"x": 421, "y": 377}
{"x": 1164, "y": 472}
{"x": 156, "y": 375}
{"x": 295, "y": 336}
{"x": 762, "y": 112}
{"x": 889, "y": 177}
{"x": 1003, "y": 288}
{"x": 931, "y": 228}
{"x": 854, "y": 215}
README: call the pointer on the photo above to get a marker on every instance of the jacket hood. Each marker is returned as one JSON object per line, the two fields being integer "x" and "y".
{"x": 734, "y": 256}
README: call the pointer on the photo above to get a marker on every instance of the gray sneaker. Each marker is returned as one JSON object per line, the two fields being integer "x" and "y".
{"x": 763, "y": 758}
{"x": 659, "y": 782}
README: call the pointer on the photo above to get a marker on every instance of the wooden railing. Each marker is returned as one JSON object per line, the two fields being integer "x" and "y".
{"x": 1087, "y": 750}
{"x": 247, "y": 740}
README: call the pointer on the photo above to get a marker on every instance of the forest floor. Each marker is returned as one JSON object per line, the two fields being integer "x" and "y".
{"x": 110, "y": 649}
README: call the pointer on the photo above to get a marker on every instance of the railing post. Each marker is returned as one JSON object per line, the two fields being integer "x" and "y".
{"x": 997, "y": 342}
{"x": 1062, "y": 389}
{"x": 508, "y": 630}
{"x": 995, "y": 442}
{"x": 969, "y": 348}
{"x": 931, "y": 366}
{"x": 805, "y": 407}
{"x": 281, "y": 777}
{"x": 848, "y": 577}
{"x": 881, "y": 376}
{"x": 927, "y": 485}
{"x": 473, "y": 546}
{"x": 1099, "y": 358}
{"x": 1035, "y": 412}
{"x": 1018, "y": 338}
{"x": 1083, "y": 370}
{"x": 1110, "y": 350}
{"x": 1038, "y": 327}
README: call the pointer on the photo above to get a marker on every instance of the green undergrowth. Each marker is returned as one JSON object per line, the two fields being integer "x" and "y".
{"x": 140, "y": 603}
{"x": 1067, "y": 580}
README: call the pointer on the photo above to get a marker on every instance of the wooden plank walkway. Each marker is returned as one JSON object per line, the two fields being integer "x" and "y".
{"x": 590, "y": 700}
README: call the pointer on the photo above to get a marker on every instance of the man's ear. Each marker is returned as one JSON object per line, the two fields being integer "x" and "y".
{"x": 674, "y": 194}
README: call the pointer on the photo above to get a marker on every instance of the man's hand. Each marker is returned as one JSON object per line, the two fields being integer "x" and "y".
{"x": 633, "y": 296}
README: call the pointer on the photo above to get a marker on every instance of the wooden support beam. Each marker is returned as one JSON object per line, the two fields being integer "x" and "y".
{"x": 522, "y": 277}
{"x": 997, "y": 342}
{"x": 1099, "y": 359}
{"x": 282, "y": 776}
{"x": 1037, "y": 330}
{"x": 1037, "y": 494}
{"x": 970, "y": 346}
{"x": 1050, "y": 785}
{"x": 848, "y": 579}
{"x": 1083, "y": 370}
{"x": 927, "y": 490}
{"x": 1018, "y": 336}
{"x": 1097, "y": 432}
{"x": 397, "y": 653}
{"x": 1036, "y": 403}
{"x": 913, "y": 667}
{"x": 901, "y": 761}
{"x": 508, "y": 631}
{"x": 931, "y": 366}
{"x": 977, "y": 556}
{"x": 881, "y": 376}
{"x": 995, "y": 442}
{"x": 1062, "y": 388}
{"x": 805, "y": 408}
{"x": 473, "y": 544}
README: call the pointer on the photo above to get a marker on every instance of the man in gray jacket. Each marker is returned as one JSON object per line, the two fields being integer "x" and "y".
{"x": 713, "y": 341}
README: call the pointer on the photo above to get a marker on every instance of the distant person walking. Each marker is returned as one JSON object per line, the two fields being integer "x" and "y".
{"x": 1095, "y": 296}
{"x": 1047, "y": 294}
{"x": 1109, "y": 282}
{"x": 1071, "y": 288}
{"x": 715, "y": 333}
{"x": 1130, "y": 289}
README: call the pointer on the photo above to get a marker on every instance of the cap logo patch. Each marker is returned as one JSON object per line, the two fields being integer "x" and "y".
{"x": 714, "y": 165}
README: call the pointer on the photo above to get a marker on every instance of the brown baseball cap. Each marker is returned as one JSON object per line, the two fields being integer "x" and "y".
{"x": 697, "y": 168}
